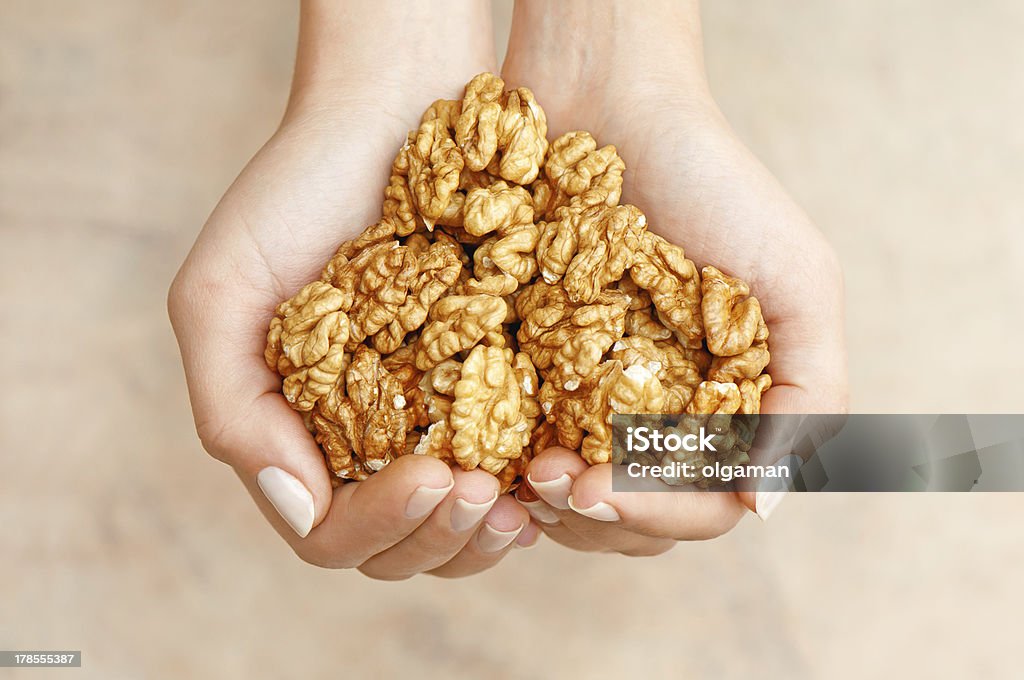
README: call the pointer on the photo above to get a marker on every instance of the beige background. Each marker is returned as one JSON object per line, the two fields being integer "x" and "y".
{"x": 897, "y": 124}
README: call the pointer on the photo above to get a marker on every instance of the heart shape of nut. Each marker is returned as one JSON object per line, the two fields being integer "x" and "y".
{"x": 506, "y": 302}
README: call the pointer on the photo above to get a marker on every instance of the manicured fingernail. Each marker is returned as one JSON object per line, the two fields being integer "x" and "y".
{"x": 466, "y": 514}
{"x": 600, "y": 511}
{"x": 424, "y": 499}
{"x": 531, "y": 543}
{"x": 490, "y": 540}
{"x": 290, "y": 498}
{"x": 554, "y": 492}
{"x": 771, "y": 490}
{"x": 540, "y": 511}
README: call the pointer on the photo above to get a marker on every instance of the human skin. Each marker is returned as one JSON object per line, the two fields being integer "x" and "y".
{"x": 360, "y": 83}
{"x": 638, "y": 81}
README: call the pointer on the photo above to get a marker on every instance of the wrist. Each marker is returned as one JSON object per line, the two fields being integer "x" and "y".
{"x": 572, "y": 50}
{"x": 388, "y": 52}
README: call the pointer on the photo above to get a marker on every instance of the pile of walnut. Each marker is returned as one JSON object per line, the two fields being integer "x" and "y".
{"x": 506, "y": 302}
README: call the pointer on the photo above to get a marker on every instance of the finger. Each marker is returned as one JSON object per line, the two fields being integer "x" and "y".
{"x": 789, "y": 434}
{"x": 241, "y": 417}
{"x": 684, "y": 513}
{"x": 529, "y": 536}
{"x": 448, "y": 529}
{"x": 366, "y": 518}
{"x": 497, "y": 535}
{"x": 268, "y": 442}
{"x": 546, "y": 518}
{"x": 553, "y": 475}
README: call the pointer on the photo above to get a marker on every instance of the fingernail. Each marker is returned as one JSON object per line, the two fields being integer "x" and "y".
{"x": 290, "y": 498}
{"x": 540, "y": 511}
{"x": 466, "y": 514}
{"x": 490, "y": 540}
{"x": 600, "y": 511}
{"x": 554, "y": 492}
{"x": 771, "y": 490}
{"x": 519, "y": 546}
{"x": 424, "y": 499}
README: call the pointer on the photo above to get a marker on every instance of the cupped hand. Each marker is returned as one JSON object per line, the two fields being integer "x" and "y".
{"x": 700, "y": 188}
{"x": 317, "y": 182}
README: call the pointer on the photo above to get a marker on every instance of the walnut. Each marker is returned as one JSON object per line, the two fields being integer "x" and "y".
{"x": 698, "y": 355}
{"x": 455, "y": 323}
{"x": 498, "y": 207}
{"x": 483, "y": 265}
{"x": 402, "y": 365}
{"x": 417, "y": 243}
{"x": 398, "y": 208}
{"x": 732, "y": 319}
{"x": 544, "y": 436}
{"x": 424, "y": 177}
{"x": 529, "y": 390}
{"x": 436, "y": 442}
{"x": 662, "y": 270}
{"x": 499, "y": 285}
{"x": 564, "y": 337}
{"x": 667, "y": 362}
{"x": 460, "y": 235}
{"x": 713, "y": 407}
{"x": 441, "y": 237}
{"x": 447, "y": 111}
{"x": 505, "y": 302}
{"x": 454, "y": 215}
{"x": 715, "y": 397}
{"x": 641, "y": 323}
{"x": 384, "y": 230}
{"x": 507, "y": 211}
{"x": 588, "y": 250}
{"x": 639, "y": 299}
{"x": 375, "y": 284}
{"x": 751, "y": 391}
{"x": 504, "y": 132}
{"x": 489, "y": 425}
{"x": 306, "y": 343}
{"x": 747, "y": 365}
{"x": 584, "y": 418}
{"x": 334, "y": 440}
{"x": 437, "y": 270}
{"x": 367, "y": 417}
{"x": 577, "y": 169}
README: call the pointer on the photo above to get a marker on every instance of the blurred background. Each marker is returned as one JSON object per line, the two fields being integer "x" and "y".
{"x": 897, "y": 125}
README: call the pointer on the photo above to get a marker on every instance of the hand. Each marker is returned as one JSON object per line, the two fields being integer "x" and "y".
{"x": 634, "y": 78}
{"x": 317, "y": 182}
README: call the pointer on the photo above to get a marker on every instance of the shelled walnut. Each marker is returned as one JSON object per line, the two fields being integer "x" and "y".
{"x": 506, "y": 302}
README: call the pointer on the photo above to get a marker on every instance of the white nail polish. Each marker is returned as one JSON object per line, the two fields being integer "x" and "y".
{"x": 600, "y": 511}
{"x": 466, "y": 514}
{"x": 490, "y": 540}
{"x": 424, "y": 499}
{"x": 554, "y": 492}
{"x": 540, "y": 511}
{"x": 771, "y": 490}
{"x": 290, "y": 498}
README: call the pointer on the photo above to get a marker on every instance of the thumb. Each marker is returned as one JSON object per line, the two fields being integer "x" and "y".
{"x": 788, "y": 433}
{"x": 241, "y": 416}
{"x": 278, "y": 460}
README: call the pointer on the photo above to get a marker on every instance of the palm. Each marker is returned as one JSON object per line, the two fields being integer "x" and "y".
{"x": 310, "y": 188}
{"x": 702, "y": 189}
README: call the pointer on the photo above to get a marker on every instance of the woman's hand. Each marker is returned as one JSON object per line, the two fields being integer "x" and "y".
{"x": 361, "y": 77}
{"x": 633, "y": 76}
